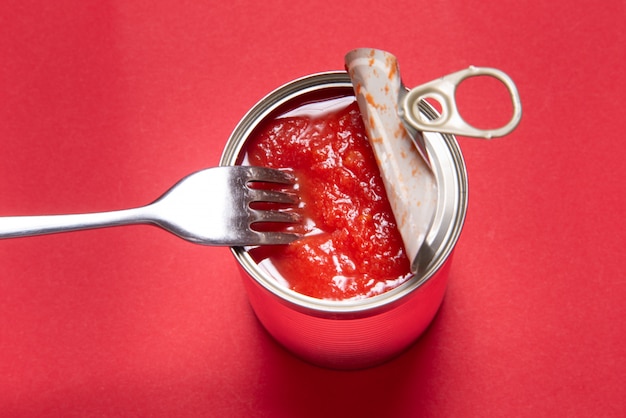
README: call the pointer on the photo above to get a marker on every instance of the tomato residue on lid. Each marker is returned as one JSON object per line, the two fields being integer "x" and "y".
{"x": 352, "y": 248}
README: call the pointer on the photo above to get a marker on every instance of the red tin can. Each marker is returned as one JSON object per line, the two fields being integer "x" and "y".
{"x": 354, "y": 334}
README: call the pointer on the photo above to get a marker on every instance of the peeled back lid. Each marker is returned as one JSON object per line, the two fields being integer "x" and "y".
{"x": 409, "y": 181}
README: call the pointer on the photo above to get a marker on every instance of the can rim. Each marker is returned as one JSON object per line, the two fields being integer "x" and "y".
{"x": 451, "y": 209}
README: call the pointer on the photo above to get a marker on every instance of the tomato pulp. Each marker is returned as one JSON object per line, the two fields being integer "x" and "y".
{"x": 351, "y": 247}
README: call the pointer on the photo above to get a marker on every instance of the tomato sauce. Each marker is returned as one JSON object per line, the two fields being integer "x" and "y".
{"x": 351, "y": 246}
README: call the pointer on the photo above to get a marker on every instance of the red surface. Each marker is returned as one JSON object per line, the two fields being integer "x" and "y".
{"x": 343, "y": 202}
{"x": 105, "y": 106}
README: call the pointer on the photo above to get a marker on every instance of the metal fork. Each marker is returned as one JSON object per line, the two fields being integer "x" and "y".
{"x": 211, "y": 207}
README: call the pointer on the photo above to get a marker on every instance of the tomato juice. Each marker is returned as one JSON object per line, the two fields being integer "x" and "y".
{"x": 351, "y": 247}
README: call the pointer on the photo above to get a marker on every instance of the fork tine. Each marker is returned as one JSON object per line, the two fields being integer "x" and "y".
{"x": 275, "y": 216}
{"x": 269, "y": 175}
{"x": 275, "y": 238}
{"x": 272, "y": 196}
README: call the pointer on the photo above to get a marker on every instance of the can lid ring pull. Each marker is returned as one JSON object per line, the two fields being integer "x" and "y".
{"x": 450, "y": 121}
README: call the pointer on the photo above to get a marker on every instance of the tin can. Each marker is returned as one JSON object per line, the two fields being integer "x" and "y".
{"x": 354, "y": 334}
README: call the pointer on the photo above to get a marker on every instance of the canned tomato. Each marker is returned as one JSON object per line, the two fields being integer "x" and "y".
{"x": 363, "y": 332}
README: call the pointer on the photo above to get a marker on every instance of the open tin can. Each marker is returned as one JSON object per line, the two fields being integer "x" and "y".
{"x": 361, "y": 333}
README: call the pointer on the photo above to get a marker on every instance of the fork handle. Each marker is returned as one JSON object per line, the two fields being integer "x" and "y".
{"x": 24, "y": 226}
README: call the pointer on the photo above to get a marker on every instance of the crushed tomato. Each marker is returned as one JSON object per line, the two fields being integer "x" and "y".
{"x": 352, "y": 248}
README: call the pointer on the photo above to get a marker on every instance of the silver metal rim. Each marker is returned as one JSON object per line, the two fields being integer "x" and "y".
{"x": 449, "y": 169}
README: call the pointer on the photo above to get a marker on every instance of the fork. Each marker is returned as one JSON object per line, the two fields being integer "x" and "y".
{"x": 214, "y": 206}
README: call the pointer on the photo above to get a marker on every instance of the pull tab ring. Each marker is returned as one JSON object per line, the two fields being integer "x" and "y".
{"x": 450, "y": 121}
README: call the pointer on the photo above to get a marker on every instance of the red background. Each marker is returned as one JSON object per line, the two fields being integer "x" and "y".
{"x": 104, "y": 105}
